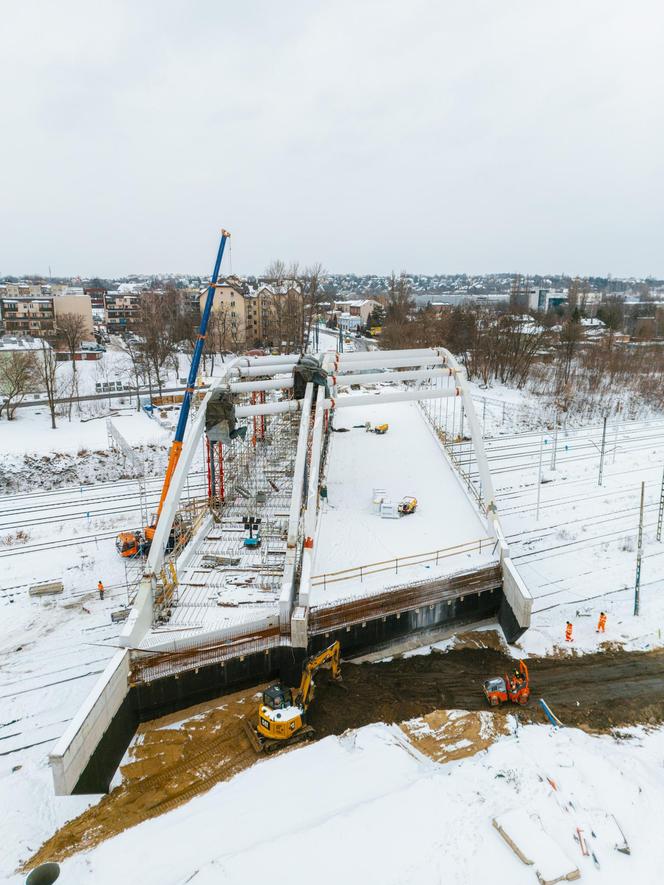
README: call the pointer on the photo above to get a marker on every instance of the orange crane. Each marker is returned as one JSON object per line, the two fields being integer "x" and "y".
{"x": 133, "y": 543}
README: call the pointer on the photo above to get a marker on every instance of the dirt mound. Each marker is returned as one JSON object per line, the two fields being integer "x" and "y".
{"x": 446, "y": 735}
{"x": 171, "y": 760}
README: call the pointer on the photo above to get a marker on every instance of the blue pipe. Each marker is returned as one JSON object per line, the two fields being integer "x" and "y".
{"x": 200, "y": 344}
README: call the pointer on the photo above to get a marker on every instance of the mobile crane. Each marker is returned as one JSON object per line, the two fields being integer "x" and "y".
{"x": 134, "y": 543}
{"x": 282, "y": 711}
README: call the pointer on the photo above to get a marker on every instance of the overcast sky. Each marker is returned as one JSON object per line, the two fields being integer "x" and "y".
{"x": 425, "y": 135}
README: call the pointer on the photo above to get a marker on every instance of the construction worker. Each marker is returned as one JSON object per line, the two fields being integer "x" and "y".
{"x": 568, "y": 632}
{"x": 100, "y": 587}
{"x": 601, "y": 623}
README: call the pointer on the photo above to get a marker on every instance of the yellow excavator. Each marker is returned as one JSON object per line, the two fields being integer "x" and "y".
{"x": 282, "y": 713}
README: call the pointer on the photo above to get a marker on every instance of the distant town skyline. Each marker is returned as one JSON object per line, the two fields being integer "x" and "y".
{"x": 367, "y": 136}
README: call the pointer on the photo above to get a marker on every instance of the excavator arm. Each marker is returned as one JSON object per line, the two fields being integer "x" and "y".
{"x": 330, "y": 655}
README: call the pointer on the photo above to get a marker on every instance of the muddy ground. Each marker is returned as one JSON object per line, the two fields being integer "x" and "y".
{"x": 596, "y": 692}
{"x": 179, "y": 756}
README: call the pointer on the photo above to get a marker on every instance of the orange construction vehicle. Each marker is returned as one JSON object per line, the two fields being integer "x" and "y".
{"x": 500, "y": 689}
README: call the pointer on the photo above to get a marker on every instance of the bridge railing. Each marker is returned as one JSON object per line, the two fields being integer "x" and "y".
{"x": 360, "y": 572}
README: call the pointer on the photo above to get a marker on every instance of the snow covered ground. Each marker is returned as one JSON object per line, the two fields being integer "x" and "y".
{"x": 386, "y": 811}
{"x": 30, "y": 433}
{"x": 406, "y": 461}
{"x": 368, "y": 806}
{"x": 578, "y": 554}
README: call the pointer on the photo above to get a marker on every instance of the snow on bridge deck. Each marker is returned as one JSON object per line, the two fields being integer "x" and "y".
{"x": 407, "y": 460}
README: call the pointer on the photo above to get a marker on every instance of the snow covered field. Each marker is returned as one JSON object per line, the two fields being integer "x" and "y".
{"x": 368, "y": 806}
{"x": 31, "y": 434}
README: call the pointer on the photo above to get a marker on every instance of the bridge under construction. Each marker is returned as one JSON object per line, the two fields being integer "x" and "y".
{"x": 348, "y": 496}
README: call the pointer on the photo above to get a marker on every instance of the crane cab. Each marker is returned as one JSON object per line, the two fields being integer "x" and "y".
{"x": 128, "y": 544}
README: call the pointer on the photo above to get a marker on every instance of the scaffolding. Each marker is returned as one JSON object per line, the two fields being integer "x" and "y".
{"x": 249, "y": 482}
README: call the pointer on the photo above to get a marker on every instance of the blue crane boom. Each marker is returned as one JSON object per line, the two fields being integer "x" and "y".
{"x": 176, "y": 445}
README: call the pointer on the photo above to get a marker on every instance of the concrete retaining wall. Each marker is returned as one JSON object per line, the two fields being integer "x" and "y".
{"x": 516, "y": 607}
{"x": 85, "y": 732}
{"x": 371, "y": 635}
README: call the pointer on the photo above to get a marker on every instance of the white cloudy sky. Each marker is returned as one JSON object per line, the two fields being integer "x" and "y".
{"x": 370, "y": 135}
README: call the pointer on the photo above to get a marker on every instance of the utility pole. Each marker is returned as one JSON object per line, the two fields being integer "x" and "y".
{"x": 539, "y": 477}
{"x": 484, "y": 418}
{"x": 601, "y": 454}
{"x": 615, "y": 442}
{"x": 555, "y": 444}
{"x": 639, "y": 554}
{"x": 660, "y": 515}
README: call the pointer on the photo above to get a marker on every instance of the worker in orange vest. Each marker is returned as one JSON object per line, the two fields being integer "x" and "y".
{"x": 601, "y": 623}
{"x": 568, "y": 632}
{"x": 100, "y": 587}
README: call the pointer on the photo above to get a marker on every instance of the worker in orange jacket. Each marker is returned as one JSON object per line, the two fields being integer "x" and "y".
{"x": 100, "y": 587}
{"x": 568, "y": 632}
{"x": 601, "y": 623}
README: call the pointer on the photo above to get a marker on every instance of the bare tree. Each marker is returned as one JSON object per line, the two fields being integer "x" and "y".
{"x": 573, "y": 293}
{"x": 219, "y": 332}
{"x": 157, "y": 324}
{"x": 275, "y": 272}
{"x": 398, "y": 330}
{"x": 312, "y": 297}
{"x": 17, "y": 377}
{"x": 47, "y": 372}
{"x": 134, "y": 351}
{"x": 71, "y": 327}
{"x": 570, "y": 338}
{"x": 283, "y": 307}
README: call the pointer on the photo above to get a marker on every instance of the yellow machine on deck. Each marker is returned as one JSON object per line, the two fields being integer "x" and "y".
{"x": 407, "y": 506}
{"x": 282, "y": 712}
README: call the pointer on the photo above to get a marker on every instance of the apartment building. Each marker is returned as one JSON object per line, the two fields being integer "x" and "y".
{"x": 122, "y": 311}
{"x": 280, "y": 311}
{"x": 235, "y": 315}
{"x": 97, "y": 296}
{"x": 29, "y": 315}
{"x": 78, "y": 304}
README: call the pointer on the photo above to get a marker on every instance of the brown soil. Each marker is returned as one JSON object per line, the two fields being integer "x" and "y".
{"x": 446, "y": 735}
{"x": 596, "y": 692}
{"x": 182, "y": 755}
{"x": 172, "y": 759}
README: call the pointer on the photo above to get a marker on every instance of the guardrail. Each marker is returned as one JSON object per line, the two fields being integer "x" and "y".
{"x": 400, "y": 562}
